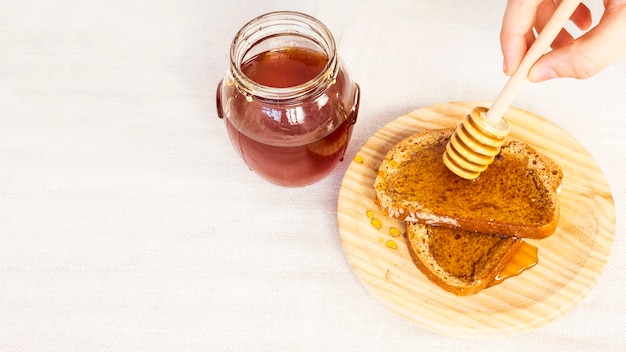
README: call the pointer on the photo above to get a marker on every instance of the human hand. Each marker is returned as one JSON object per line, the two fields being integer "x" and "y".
{"x": 581, "y": 57}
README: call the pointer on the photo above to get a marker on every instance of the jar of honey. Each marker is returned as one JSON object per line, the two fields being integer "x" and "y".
{"x": 287, "y": 100}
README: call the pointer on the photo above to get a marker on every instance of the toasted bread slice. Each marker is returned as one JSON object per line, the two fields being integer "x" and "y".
{"x": 516, "y": 196}
{"x": 460, "y": 262}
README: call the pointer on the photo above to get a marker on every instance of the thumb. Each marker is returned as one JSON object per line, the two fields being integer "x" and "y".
{"x": 568, "y": 61}
{"x": 587, "y": 55}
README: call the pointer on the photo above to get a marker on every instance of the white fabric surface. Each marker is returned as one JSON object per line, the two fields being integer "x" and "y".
{"x": 128, "y": 222}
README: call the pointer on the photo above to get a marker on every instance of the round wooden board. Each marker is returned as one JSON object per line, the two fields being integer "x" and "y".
{"x": 570, "y": 261}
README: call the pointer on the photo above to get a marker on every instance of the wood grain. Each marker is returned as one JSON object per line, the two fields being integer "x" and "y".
{"x": 570, "y": 261}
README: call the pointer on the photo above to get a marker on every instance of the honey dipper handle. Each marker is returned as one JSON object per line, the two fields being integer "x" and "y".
{"x": 537, "y": 49}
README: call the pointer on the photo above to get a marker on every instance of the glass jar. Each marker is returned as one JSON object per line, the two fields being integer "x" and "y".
{"x": 288, "y": 103}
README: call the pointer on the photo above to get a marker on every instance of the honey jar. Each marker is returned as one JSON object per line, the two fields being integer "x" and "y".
{"x": 288, "y": 103}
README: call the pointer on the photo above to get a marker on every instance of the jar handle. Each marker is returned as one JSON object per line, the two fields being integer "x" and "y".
{"x": 218, "y": 100}
{"x": 355, "y": 108}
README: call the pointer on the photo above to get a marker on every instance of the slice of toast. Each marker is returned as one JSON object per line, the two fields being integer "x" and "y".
{"x": 460, "y": 262}
{"x": 516, "y": 196}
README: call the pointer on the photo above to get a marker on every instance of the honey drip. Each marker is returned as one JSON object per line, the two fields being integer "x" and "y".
{"x": 524, "y": 259}
{"x": 376, "y": 223}
{"x": 391, "y": 244}
{"x": 394, "y": 232}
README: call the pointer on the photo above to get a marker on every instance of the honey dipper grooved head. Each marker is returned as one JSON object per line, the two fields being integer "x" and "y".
{"x": 474, "y": 145}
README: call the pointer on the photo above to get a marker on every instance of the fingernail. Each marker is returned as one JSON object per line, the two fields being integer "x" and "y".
{"x": 542, "y": 74}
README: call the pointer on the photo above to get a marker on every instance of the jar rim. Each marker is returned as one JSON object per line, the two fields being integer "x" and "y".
{"x": 282, "y": 22}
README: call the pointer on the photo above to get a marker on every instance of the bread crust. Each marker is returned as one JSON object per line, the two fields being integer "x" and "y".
{"x": 516, "y": 196}
{"x": 494, "y": 258}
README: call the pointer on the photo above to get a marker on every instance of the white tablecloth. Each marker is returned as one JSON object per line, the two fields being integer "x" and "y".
{"x": 128, "y": 222}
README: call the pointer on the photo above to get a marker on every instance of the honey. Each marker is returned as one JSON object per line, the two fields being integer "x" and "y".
{"x": 298, "y": 165}
{"x": 376, "y": 223}
{"x": 495, "y": 195}
{"x": 467, "y": 255}
{"x": 524, "y": 258}
{"x": 394, "y": 232}
{"x": 391, "y": 244}
{"x": 285, "y": 67}
{"x": 288, "y": 103}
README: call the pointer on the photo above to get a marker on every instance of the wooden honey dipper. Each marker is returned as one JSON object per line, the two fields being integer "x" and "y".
{"x": 477, "y": 140}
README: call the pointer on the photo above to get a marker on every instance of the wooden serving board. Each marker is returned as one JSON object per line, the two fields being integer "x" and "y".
{"x": 570, "y": 261}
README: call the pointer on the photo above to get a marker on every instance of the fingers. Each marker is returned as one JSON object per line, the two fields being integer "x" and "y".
{"x": 582, "y": 17}
{"x": 521, "y": 17}
{"x": 589, "y": 54}
{"x": 545, "y": 11}
{"x": 516, "y": 33}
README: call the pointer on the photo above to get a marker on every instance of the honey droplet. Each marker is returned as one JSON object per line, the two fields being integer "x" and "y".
{"x": 394, "y": 232}
{"x": 358, "y": 159}
{"x": 376, "y": 223}
{"x": 391, "y": 244}
{"x": 381, "y": 240}
{"x": 524, "y": 259}
{"x": 369, "y": 214}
